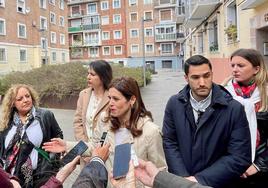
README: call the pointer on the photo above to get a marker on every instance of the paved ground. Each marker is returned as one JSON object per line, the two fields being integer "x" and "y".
{"x": 155, "y": 96}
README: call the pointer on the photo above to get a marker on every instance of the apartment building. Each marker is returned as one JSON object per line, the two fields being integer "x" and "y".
{"x": 129, "y": 32}
{"x": 32, "y": 33}
{"x": 97, "y": 30}
{"x": 218, "y": 27}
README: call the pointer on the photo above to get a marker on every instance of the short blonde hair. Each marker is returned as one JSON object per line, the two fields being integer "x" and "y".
{"x": 9, "y": 99}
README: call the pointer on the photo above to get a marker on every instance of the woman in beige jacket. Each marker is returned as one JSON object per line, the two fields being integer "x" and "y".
{"x": 126, "y": 121}
{"x": 92, "y": 100}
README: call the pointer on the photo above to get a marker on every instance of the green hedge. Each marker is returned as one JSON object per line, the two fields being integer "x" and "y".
{"x": 64, "y": 79}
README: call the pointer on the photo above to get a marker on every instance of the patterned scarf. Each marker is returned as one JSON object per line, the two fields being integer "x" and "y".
{"x": 244, "y": 91}
{"x": 13, "y": 148}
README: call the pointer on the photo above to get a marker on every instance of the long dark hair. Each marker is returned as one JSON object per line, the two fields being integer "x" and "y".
{"x": 128, "y": 87}
{"x": 103, "y": 70}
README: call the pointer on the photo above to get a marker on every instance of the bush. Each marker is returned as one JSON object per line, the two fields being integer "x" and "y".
{"x": 63, "y": 80}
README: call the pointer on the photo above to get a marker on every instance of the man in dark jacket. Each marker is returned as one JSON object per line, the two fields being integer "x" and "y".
{"x": 206, "y": 136}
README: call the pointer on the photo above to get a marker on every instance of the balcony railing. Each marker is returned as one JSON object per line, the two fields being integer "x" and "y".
{"x": 75, "y": 29}
{"x": 165, "y": 37}
{"x": 92, "y": 42}
{"x": 164, "y": 3}
{"x": 77, "y": 43}
{"x": 91, "y": 26}
{"x": 71, "y": 2}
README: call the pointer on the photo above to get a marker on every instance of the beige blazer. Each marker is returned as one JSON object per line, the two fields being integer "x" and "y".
{"x": 79, "y": 123}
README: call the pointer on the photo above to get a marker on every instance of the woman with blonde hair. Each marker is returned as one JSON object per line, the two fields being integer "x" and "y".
{"x": 23, "y": 129}
{"x": 249, "y": 85}
{"x": 126, "y": 121}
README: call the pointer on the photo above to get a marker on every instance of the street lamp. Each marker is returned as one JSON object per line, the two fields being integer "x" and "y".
{"x": 143, "y": 49}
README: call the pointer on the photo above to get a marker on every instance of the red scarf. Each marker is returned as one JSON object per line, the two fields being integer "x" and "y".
{"x": 244, "y": 91}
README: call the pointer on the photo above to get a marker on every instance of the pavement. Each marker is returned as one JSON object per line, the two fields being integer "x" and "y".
{"x": 155, "y": 96}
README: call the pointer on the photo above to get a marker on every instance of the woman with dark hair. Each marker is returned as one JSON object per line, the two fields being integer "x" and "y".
{"x": 249, "y": 85}
{"x": 126, "y": 121}
{"x": 23, "y": 130}
{"x": 92, "y": 100}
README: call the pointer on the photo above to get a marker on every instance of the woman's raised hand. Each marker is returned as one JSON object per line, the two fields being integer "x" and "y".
{"x": 56, "y": 145}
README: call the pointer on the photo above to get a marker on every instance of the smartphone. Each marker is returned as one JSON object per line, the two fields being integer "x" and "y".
{"x": 78, "y": 149}
{"x": 121, "y": 160}
{"x": 102, "y": 140}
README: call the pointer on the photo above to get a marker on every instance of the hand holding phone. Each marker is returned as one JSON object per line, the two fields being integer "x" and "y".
{"x": 121, "y": 160}
{"x": 78, "y": 149}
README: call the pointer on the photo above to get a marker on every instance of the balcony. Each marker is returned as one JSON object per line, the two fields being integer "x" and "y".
{"x": 75, "y": 29}
{"x": 158, "y": 4}
{"x": 248, "y": 4}
{"x": 91, "y": 26}
{"x": 165, "y": 37}
{"x": 180, "y": 14}
{"x": 73, "y": 2}
{"x": 76, "y": 14}
{"x": 92, "y": 42}
{"x": 197, "y": 10}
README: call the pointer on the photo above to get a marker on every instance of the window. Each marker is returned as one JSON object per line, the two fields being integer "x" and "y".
{"x": 21, "y": 6}
{"x": 213, "y": 36}
{"x": 104, "y": 5}
{"x": 52, "y": 17}
{"x": 61, "y": 21}
{"x": 91, "y": 38}
{"x": 91, "y": 8}
{"x": 134, "y": 48}
{"x": 21, "y": 30}
{"x": 62, "y": 39}
{"x": 61, "y": 4}
{"x": 148, "y": 15}
{"x": 43, "y": 23}
{"x": 147, "y": 2}
{"x": 52, "y": 2}
{"x": 116, "y": 4}
{"x": 105, "y": 35}
{"x": 2, "y": 27}
{"x": 166, "y": 48}
{"x": 132, "y": 2}
{"x": 117, "y": 18}
{"x": 117, "y": 50}
{"x": 134, "y": 33}
{"x": 105, "y": 20}
{"x": 94, "y": 52}
{"x": 232, "y": 21}
{"x": 165, "y": 15}
{"x": 3, "y": 55}
{"x": 54, "y": 56}
{"x": 149, "y": 48}
{"x": 133, "y": 17}
{"x": 200, "y": 43}
{"x": 181, "y": 8}
{"x": 117, "y": 34}
{"x": 75, "y": 10}
{"x": 63, "y": 57}
{"x": 23, "y": 55}
{"x": 148, "y": 32}
{"x": 53, "y": 38}
{"x": 43, "y": 43}
{"x": 43, "y": 4}
{"x": 106, "y": 50}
